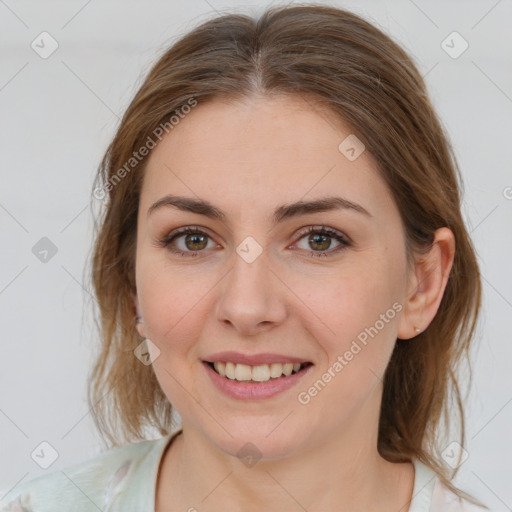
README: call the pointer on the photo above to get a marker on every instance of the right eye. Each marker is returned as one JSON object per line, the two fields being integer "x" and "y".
{"x": 186, "y": 241}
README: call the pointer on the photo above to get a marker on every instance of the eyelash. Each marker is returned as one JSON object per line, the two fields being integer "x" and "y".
{"x": 322, "y": 230}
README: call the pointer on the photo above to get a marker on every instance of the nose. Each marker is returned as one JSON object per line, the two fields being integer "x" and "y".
{"x": 251, "y": 297}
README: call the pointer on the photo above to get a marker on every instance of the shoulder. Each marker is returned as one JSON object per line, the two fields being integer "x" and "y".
{"x": 90, "y": 485}
{"x": 445, "y": 500}
{"x": 431, "y": 495}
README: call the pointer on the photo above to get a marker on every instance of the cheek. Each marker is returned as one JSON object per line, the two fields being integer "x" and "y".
{"x": 343, "y": 305}
{"x": 175, "y": 305}
{"x": 172, "y": 303}
{"x": 356, "y": 330}
{"x": 352, "y": 315}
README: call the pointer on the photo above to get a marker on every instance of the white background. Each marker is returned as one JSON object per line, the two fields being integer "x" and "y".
{"x": 57, "y": 117}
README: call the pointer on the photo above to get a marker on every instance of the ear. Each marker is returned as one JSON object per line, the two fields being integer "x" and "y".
{"x": 141, "y": 328}
{"x": 426, "y": 284}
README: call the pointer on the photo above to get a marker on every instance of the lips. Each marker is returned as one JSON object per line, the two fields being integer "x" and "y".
{"x": 252, "y": 389}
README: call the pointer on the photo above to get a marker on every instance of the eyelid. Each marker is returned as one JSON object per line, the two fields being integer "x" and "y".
{"x": 320, "y": 227}
{"x": 165, "y": 240}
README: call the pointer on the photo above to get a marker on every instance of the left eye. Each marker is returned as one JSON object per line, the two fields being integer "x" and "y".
{"x": 320, "y": 240}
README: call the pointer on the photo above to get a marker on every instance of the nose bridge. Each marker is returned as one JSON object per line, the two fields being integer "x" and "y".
{"x": 249, "y": 297}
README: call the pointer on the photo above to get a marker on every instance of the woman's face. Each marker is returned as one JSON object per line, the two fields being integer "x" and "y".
{"x": 253, "y": 280}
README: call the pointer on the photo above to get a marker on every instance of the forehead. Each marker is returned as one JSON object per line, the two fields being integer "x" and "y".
{"x": 262, "y": 151}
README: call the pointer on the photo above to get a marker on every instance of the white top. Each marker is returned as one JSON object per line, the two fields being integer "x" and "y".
{"x": 124, "y": 479}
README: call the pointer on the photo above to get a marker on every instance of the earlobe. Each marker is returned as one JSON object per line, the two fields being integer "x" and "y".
{"x": 141, "y": 329}
{"x": 412, "y": 322}
{"x": 139, "y": 321}
{"x": 430, "y": 277}
{"x": 135, "y": 302}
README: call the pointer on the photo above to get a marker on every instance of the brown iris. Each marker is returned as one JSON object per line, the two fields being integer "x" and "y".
{"x": 197, "y": 241}
{"x": 322, "y": 240}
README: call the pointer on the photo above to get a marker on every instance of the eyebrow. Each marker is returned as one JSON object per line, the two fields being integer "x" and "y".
{"x": 284, "y": 212}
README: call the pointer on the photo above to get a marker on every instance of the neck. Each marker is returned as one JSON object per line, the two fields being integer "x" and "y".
{"x": 342, "y": 471}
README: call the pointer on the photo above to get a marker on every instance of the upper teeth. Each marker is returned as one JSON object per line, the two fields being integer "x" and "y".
{"x": 259, "y": 373}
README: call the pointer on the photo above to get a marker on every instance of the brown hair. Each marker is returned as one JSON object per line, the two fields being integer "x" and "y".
{"x": 342, "y": 62}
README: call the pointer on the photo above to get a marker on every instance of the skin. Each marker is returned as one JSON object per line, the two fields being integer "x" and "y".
{"x": 247, "y": 158}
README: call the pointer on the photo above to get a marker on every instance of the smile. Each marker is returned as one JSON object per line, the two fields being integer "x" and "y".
{"x": 245, "y": 382}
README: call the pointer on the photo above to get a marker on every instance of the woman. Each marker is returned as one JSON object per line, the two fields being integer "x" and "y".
{"x": 282, "y": 258}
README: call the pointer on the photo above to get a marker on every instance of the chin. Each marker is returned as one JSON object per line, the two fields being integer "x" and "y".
{"x": 257, "y": 441}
